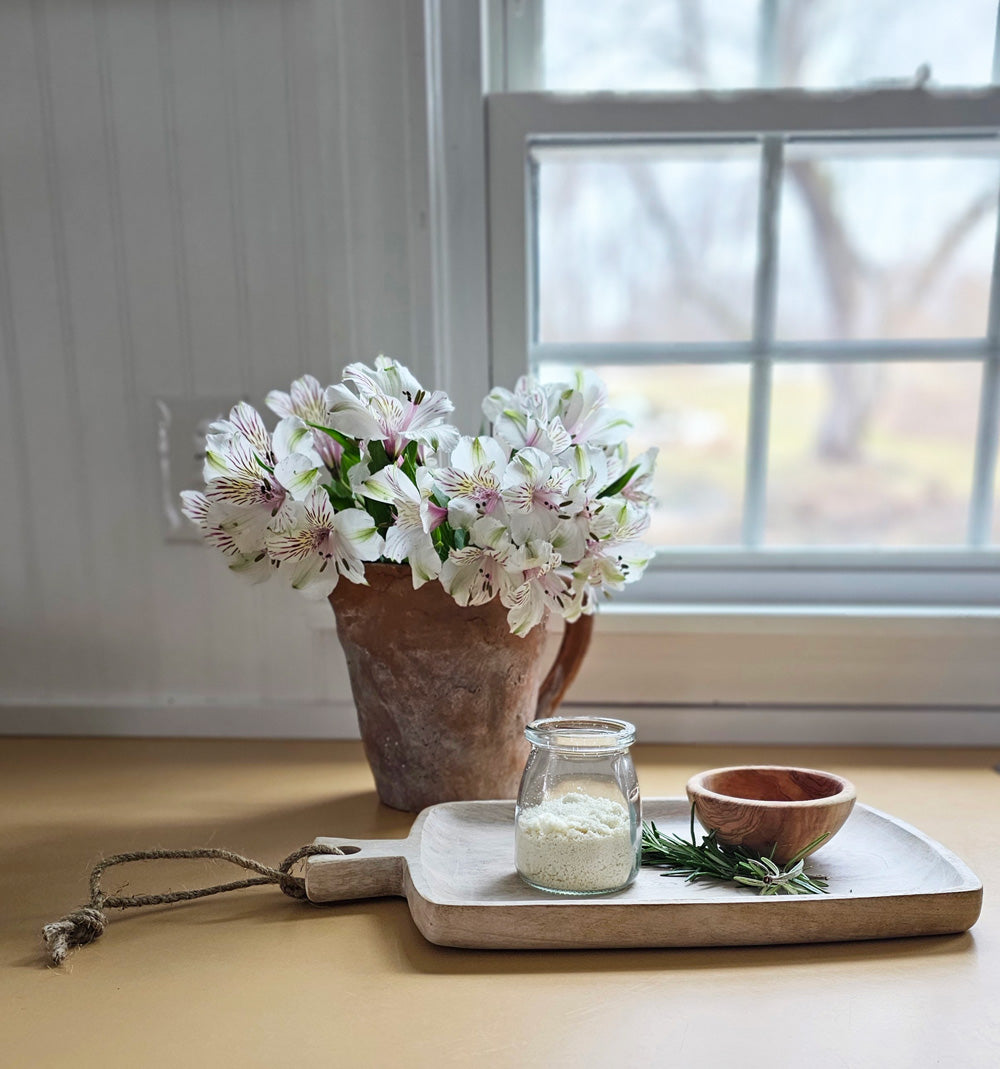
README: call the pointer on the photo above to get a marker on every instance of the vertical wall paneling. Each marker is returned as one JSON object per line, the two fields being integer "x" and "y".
{"x": 198, "y": 198}
{"x": 195, "y": 136}
{"x": 307, "y": 49}
{"x": 345, "y": 332}
{"x": 64, "y": 594}
{"x": 85, "y": 271}
{"x": 378, "y": 80}
{"x": 132, "y": 669}
{"x": 20, "y": 616}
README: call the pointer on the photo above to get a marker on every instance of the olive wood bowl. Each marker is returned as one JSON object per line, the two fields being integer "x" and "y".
{"x": 771, "y": 809}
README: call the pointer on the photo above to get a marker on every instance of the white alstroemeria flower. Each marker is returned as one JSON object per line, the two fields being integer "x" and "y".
{"x": 300, "y": 468}
{"x": 477, "y": 573}
{"x": 390, "y": 407}
{"x": 307, "y": 402}
{"x": 638, "y": 489}
{"x": 582, "y": 408}
{"x": 432, "y": 511}
{"x": 211, "y": 519}
{"x": 238, "y": 444}
{"x": 241, "y": 482}
{"x": 537, "y": 495}
{"x": 616, "y": 555}
{"x": 569, "y": 537}
{"x": 537, "y": 586}
{"x": 321, "y": 545}
{"x": 408, "y": 539}
{"x": 472, "y": 480}
{"x": 521, "y": 420}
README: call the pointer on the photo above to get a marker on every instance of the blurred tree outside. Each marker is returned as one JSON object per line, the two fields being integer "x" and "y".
{"x": 877, "y": 244}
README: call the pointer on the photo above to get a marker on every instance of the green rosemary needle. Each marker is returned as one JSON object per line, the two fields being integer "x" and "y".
{"x": 731, "y": 864}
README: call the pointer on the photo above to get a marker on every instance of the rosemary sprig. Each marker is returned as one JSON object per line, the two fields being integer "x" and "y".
{"x": 732, "y": 864}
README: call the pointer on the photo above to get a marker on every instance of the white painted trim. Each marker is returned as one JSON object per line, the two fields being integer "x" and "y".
{"x": 456, "y": 160}
{"x": 678, "y": 725}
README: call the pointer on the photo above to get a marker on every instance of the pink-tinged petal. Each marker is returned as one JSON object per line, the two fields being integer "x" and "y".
{"x": 432, "y": 409}
{"x": 295, "y": 544}
{"x": 459, "y": 574}
{"x": 308, "y": 400}
{"x": 367, "y": 381}
{"x": 246, "y": 419}
{"x": 248, "y": 529}
{"x": 527, "y": 608}
{"x": 280, "y": 404}
{"x": 230, "y": 454}
{"x": 195, "y": 506}
{"x": 559, "y": 438}
{"x": 397, "y": 544}
{"x": 318, "y": 510}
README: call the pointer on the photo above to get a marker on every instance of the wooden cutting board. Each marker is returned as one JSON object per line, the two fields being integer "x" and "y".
{"x": 456, "y": 871}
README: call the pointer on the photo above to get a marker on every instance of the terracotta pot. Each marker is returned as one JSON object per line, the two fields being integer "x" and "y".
{"x": 443, "y": 693}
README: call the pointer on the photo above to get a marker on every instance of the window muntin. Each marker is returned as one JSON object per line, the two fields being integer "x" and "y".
{"x": 880, "y": 126}
{"x": 863, "y": 238}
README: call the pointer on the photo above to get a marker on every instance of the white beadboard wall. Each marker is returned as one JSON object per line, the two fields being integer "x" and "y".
{"x": 197, "y": 198}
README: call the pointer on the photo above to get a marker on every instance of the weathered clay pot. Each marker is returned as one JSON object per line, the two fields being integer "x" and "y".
{"x": 443, "y": 693}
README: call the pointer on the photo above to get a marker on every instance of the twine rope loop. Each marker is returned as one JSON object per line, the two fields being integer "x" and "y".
{"x": 87, "y": 923}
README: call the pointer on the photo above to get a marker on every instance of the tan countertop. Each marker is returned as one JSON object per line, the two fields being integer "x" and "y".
{"x": 255, "y": 978}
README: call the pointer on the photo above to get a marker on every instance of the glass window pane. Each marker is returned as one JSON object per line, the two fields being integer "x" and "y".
{"x": 872, "y": 454}
{"x": 823, "y": 44}
{"x": 697, "y": 417}
{"x": 649, "y": 45}
{"x": 664, "y": 45}
{"x": 646, "y": 244}
{"x": 887, "y": 241}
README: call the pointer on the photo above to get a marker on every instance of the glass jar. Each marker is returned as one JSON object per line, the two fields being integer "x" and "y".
{"x": 578, "y": 824}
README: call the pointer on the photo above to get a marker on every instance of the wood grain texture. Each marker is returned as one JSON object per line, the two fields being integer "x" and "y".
{"x": 456, "y": 870}
{"x": 772, "y": 809}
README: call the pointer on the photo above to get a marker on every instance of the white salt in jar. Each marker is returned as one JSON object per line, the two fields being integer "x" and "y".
{"x": 577, "y": 824}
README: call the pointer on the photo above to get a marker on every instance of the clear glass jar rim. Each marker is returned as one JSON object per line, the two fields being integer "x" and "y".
{"x": 596, "y": 735}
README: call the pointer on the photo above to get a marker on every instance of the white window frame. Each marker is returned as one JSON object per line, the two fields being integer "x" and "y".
{"x": 876, "y": 647}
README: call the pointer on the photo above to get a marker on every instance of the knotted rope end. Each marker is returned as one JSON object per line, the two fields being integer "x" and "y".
{"x": 76, "y": 929}
{"x": 87, "y": 923}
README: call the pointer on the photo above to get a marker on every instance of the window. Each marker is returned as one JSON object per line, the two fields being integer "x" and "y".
{"x": 791, "y": 287}
{"x": 665, "y": 233}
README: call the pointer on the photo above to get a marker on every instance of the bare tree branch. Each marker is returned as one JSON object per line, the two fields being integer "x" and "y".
{"x": 685, "y": 271}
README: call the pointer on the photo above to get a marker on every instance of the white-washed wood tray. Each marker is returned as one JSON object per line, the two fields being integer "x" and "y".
{"x": 456, "y": 870}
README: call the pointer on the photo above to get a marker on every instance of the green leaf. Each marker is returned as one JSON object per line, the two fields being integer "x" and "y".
{"x": 620, "y": 483}
{"x": 342, "y": 439}
{"x": 410, "y": 462}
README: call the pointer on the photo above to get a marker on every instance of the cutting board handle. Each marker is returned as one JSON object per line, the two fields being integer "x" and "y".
{"x": 368, "y": 868}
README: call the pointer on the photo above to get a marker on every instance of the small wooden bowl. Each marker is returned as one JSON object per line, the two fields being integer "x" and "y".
{"x": 765, "y": 807}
